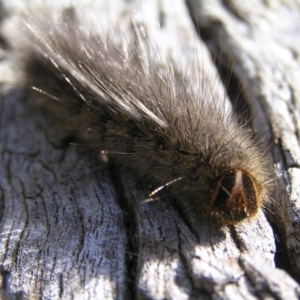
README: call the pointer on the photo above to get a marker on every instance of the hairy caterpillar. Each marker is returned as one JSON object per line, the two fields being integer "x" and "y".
{"x": 120, "y": 101}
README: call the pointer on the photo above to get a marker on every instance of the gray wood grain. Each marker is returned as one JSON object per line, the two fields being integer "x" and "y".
{"x": 68, "y": 229}
{"x": 264, "y": 39}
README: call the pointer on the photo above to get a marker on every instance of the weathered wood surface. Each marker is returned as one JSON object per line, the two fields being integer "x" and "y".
{"x": 67, "y": 229}
{"x": 264, "y": 39}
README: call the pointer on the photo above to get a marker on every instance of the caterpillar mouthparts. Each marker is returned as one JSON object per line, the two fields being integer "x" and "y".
{"x": 117, "y": 99}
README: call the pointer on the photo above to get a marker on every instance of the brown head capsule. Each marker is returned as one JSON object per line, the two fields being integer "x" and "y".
{"x": 236, "y": 196}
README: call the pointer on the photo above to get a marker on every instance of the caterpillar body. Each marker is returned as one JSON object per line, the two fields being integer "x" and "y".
{"x": 117, "y": 100}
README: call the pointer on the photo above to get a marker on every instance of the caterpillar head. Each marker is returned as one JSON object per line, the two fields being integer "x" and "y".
{"x": 236, "y": 196}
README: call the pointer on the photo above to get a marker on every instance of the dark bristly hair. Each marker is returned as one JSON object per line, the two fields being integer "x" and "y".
{"x": 117, "y": 100}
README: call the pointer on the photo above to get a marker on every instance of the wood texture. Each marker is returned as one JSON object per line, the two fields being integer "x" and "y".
{"x": 67, "y": 228}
